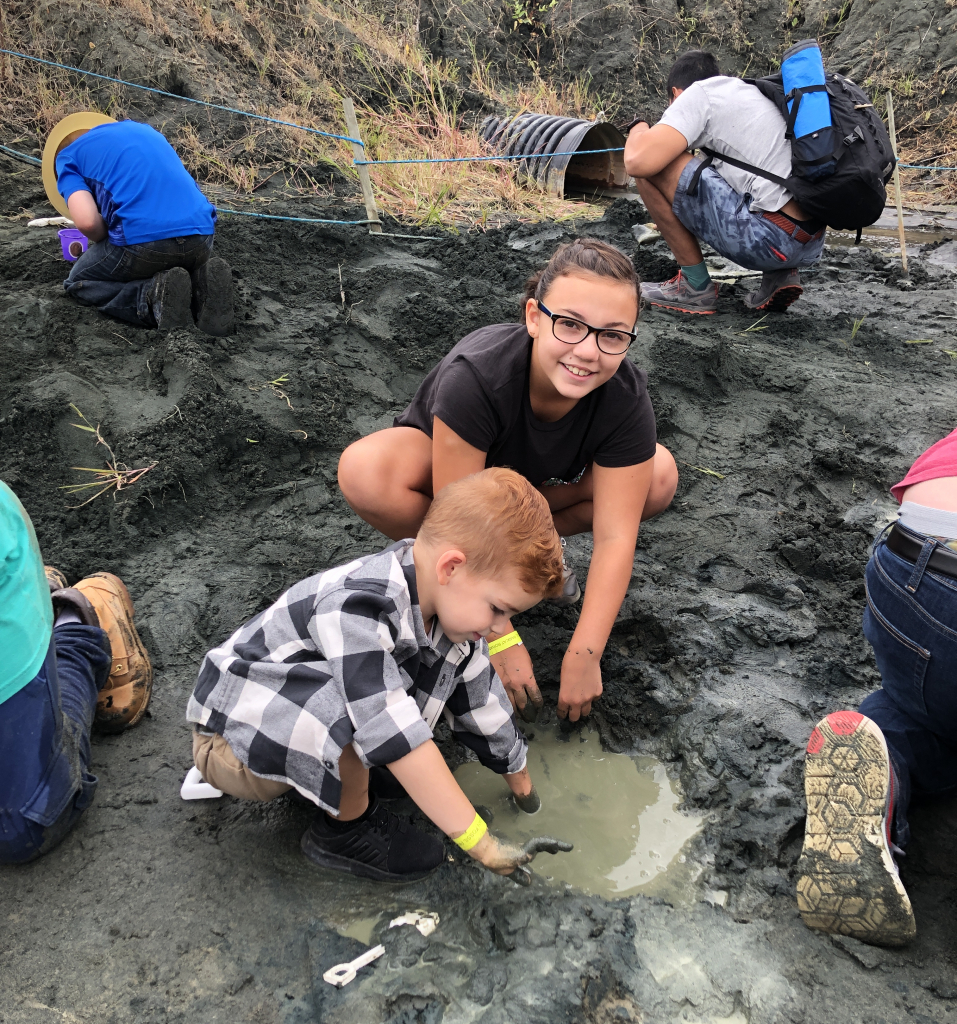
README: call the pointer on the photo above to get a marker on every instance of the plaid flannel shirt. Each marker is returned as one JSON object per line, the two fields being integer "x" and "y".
{"x": 343, "y": 657}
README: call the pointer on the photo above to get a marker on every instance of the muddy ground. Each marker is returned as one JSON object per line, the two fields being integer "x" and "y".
{"x": 741, "y": 628}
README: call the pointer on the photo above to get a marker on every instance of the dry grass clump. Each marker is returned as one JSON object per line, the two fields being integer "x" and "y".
{"x": 292, "y": 61}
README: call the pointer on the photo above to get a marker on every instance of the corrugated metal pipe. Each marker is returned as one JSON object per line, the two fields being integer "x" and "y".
{"x": 540, "y": 135}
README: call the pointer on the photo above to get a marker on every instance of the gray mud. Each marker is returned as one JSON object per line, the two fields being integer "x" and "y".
{"x": 741, "y": 628}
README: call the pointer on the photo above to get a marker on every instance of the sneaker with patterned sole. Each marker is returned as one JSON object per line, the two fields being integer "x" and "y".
{"x": 779, "y": 288}
{"x": 123, "y": 700}
{"x": 571, "y": 590}
{"x": 848, "y": 883}
{"x": 678, "y": 295}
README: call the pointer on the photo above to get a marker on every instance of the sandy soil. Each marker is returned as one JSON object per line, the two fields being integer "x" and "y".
{"x": 741, "y": 628}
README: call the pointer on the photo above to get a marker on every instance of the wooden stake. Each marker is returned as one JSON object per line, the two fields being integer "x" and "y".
{"x": 358, "y": 153}
{"x": 897, "y": 180}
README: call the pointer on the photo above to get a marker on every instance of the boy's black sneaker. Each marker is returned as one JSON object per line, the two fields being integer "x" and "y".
{"x": 213, "y": 299}
{"x": 169, "y": 299}
{"x": 381, "y": 846}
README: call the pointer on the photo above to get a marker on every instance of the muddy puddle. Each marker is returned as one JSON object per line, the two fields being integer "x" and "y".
{"x": 619, "y": 811}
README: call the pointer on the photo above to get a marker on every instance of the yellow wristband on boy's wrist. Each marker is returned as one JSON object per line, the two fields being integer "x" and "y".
{"x": 471, "y": 836}
{"x": 503, "y": 643}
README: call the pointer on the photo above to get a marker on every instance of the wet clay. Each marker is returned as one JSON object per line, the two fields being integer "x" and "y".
{"x": 620, "y": 813}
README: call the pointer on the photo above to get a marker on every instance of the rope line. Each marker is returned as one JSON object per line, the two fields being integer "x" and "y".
{"x": 924, "y": 167}
{"x": 185, "y": 99}
{"x": 302, "y": 220}
{"x": 468, "y": 159}
{"x": 22, "y": 156}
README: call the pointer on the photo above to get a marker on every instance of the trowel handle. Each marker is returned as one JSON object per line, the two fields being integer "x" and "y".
{"x": 342, "y": 974}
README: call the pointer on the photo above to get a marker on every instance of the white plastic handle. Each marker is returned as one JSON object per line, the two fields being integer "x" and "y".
{"x": 194, "y": 788}
{"x": 342, "y": 974}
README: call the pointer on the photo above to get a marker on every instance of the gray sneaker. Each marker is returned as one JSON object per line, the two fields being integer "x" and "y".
{"x": 169, "y": 299}
{"x": 571, "y": 591}
{"x": 679, "y": 295}
{"x": 779, "y": 288}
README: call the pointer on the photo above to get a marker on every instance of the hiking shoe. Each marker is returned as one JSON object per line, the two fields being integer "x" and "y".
{"x": 847, "y": 878}
{"x": 779, "y": 288}
{"x": 382, "y": 846}
{"x": 385, "y": 785}
{"x": 571, "y": 591}
{"x": 55, "y": 579}
{"x": 169, "y": 299}
{"x": 679, "y": 295}
{"x": 213, "y": 298}
{"x": 122, "y": 701}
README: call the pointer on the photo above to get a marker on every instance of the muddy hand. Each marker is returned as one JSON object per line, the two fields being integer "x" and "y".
{"x": 514, "y": 668}
{"x": 540, "y": 844}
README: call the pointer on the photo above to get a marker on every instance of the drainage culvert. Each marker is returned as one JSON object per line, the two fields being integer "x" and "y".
{"x": 538, "y": 136}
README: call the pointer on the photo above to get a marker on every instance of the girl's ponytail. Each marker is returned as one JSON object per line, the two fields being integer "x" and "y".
{"x": 586, "y": 255}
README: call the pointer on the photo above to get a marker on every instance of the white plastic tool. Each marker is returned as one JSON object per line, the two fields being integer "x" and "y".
{"x": 194, "y": 788}
{"x": 50, "y": 222}
{"x": 422, "y": 920}
{"x": 342, "y": 974}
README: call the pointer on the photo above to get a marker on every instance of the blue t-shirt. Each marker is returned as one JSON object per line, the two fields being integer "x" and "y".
{"x": 26, "y": 612}
{"x": 140, "y": 185}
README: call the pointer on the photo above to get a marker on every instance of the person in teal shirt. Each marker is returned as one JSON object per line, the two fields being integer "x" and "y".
{"x": 69, "y": 657}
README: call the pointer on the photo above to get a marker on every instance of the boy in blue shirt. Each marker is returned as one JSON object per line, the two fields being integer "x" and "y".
{"x": 69, "y": 657}
{"x": 151, "y": 229}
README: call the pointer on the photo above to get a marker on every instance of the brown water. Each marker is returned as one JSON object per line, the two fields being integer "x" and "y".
{"x": 619, "y": 811}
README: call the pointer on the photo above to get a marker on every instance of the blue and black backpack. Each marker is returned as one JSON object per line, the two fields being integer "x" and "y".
{"x": 841, "y": 156}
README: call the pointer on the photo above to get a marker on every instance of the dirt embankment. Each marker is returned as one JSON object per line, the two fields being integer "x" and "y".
{"x": 741, "y": 628}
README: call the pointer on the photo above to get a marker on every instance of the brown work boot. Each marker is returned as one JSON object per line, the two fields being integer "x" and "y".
{"x": 122, "y": 701}
{"x": 67, "y": 598}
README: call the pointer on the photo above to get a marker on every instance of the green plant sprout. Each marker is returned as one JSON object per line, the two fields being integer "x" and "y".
{"x": 702, "y": 469}
{"x": 114, "y": 477}
{"x": 275, "y": 386}
{"x": 920, "y": 341}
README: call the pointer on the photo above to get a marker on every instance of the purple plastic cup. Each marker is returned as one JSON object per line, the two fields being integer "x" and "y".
{"x": 73, "y": 243}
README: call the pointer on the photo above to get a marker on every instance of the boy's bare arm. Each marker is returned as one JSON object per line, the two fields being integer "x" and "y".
{"x": 86, "y": 216}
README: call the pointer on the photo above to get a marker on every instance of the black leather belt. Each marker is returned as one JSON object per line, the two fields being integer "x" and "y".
{"x": 908, "y": 545}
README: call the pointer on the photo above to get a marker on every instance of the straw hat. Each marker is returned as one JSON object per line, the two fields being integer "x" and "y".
{"x": 73, "y": 123}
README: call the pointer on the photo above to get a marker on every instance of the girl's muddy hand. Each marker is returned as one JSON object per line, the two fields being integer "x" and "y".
{"x": 581, "y": 684}
{"x": 530, "y": 802}
{"x": 514, "y": 668}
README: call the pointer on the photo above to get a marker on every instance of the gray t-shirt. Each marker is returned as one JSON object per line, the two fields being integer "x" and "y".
{"x": 730, "y": 116}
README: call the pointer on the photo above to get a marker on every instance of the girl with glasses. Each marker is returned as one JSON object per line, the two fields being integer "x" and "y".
{"x": 555, "y": 398}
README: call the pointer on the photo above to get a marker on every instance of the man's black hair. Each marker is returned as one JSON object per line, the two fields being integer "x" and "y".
{"x": 691, "y": 66}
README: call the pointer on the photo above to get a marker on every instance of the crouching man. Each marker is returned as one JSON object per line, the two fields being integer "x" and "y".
{"x": 745, "y": 217}
{"x": 151, "y": 227}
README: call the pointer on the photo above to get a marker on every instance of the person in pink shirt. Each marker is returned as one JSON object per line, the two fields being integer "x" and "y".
{"x": 864, "y": 766}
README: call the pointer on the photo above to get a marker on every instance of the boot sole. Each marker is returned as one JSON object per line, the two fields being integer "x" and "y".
{"x": 323, "y": 859}
{"x": 778, "y": 301}
{"x": 214, "y": 299}
{"x": 177, "y": 296}
{"x": 681, "y": 309}
{"x": 847, "y": 879}
{"x": 115, "y": 721}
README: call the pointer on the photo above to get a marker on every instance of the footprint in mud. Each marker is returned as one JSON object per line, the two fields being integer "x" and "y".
{"x": 619, "y": 811}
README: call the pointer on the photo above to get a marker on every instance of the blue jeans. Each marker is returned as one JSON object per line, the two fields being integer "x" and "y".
{"x": 117, "y": 278}
{"x": 722, "y": 217}
{"x": 911, "y": 622}
{"x": 45, "y": 780}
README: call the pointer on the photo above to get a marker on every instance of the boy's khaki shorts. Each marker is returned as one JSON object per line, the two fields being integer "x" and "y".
{"x": 221, "y": 768}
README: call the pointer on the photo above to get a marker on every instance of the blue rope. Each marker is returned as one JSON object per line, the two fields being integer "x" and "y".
{"x": 302, "y": 220}
{"x": 22, "y": 156}
{"x": 922, "y": 167}
{"x": 467, "y": 159}
{"x": 185, "y": 99}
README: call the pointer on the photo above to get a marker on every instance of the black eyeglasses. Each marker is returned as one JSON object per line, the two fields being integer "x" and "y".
{"x": 572, "y": 331}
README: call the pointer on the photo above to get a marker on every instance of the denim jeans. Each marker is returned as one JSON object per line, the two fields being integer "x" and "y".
{"x": 911, "y": 622}
{"x": 117, "y": 278}
{"x": 722, "y": 217}
{"x": 45, "y": 780}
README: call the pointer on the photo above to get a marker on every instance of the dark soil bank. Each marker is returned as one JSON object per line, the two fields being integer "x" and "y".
{"x": 742, "y": 627}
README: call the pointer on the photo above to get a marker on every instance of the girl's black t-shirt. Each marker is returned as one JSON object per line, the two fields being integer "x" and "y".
{"x": 480, "y": 390}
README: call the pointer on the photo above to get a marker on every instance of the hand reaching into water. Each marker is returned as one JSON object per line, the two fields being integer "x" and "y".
{"x": 507, "y": 858}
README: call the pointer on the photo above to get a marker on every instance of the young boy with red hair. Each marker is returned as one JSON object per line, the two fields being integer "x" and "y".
{"x": 334, "y": 690}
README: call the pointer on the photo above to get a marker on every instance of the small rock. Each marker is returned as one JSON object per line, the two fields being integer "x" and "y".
{"x": 866, "y": 956}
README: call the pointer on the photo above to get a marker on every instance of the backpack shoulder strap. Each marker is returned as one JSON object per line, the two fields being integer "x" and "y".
{"x": 712, "y": 155}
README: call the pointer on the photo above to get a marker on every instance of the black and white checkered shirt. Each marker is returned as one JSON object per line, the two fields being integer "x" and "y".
{"x": 344, "y": 657}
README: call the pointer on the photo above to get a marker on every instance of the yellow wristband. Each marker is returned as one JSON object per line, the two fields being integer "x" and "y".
{"x": 503, "y": 643}
{"x": 472, "y": 834}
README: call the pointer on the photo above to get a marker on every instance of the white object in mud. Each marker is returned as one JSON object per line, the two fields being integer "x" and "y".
{"x": 423, "y": 921}
{"x": 51, "y": 222}
{"x": 194, "y": 788}
{"x": 342, "y": 974}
